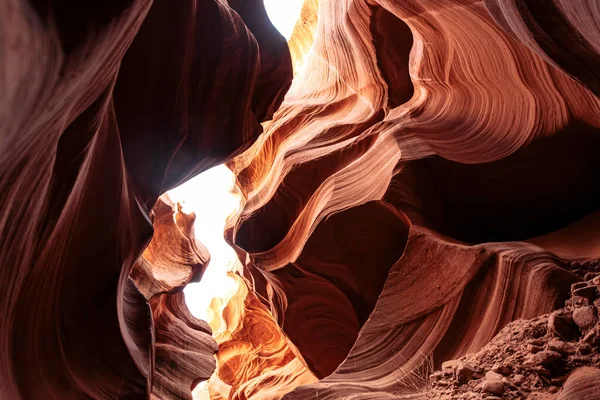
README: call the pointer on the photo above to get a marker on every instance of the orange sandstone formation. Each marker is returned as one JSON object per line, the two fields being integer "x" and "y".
{"x": 427, "y": 177}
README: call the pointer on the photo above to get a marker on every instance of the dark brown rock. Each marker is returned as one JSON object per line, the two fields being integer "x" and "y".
{"x": 561, "y": 323}
{"x": 577, "y": 285}
{"x": 588, "y": 292}
{"x": 546, "y": 357}
{"x": 590, "y": 276}
{"x": 584, "y": 349}
{"x": 464, "y": 372}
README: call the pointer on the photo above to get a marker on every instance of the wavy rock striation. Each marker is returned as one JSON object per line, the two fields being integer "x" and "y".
{"x": 401, "y": 193}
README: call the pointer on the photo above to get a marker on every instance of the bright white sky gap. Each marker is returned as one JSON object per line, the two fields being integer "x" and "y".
{"x": 284, "y": 14}
{"x": 209, "y": 196}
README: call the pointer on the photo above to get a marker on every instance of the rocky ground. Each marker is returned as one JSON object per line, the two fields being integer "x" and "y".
{"x": 532, "y": 359}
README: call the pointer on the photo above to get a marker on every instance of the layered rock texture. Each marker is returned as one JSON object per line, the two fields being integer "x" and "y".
{"x": 424, "y": 190}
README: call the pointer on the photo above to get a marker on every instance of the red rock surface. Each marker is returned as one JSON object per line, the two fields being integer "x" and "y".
{"x": 429, "y": 178}
{"x": 531, "y": 359}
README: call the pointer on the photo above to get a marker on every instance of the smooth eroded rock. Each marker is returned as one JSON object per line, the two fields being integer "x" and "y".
{"x": 585, "y": 317}
{"x": 493, "y": 386}
{"x": 582, "y": 384}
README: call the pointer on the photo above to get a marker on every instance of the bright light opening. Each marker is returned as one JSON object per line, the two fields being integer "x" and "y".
{"x": 284, "y": 14}
{"x": 209, "y": 195}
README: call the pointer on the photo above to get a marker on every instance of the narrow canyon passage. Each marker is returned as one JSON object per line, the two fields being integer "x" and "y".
{"x": 300, "y": 199}
{"x": 210, "y": 197}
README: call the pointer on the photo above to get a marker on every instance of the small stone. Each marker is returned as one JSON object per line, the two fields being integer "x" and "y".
{"x": 491, "y": 375}
{"x": 541, "y": 370}
{"x": 546, "y": 357}
{"x": 569, "y": 303}
{"x": 585, "y": 317}
{"x": 532, "y": 348}
{"x": 493, "y": 386}
{"x": 559, "y": 345}
{"x": 464, "y": 372}
{"x": 536, "y": 342}
{"x": 553, "y": 389}
{"x": 435, "y": 377}
{"x": 584, "y": 349}
{"x": 578, "y": 301}
{"x": 442, "y": 383}
{"x": 592, "y": 337}
{"x": 561, "y": 324}
{"x": 558, "y": 380}
{"x": 448, "y": 367}
{"x": 577, "y": 285}
{"x": 589, "y": 276}
{"x": 518, "y": 379}
{"x": 589, "y": 292}
{"x": 502, "y": 369}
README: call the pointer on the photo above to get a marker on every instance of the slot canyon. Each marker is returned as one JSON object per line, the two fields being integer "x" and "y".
{"x": 383, "y": 199}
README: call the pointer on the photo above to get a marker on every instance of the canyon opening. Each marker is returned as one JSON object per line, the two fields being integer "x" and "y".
{"x": 300, "y": 200}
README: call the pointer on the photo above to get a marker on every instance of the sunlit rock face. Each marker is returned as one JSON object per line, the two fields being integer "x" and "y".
{"x": 429, "y": 175}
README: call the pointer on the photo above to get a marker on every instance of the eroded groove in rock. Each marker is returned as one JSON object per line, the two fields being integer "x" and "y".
{"x": 333, "y": 286}
{"x": 183, "y": 346}
{"x": 255, "y": 359}
{"x": 455, "y": 198}
{"x": 565, "y": 33}
{"x": 496, "y": 282}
